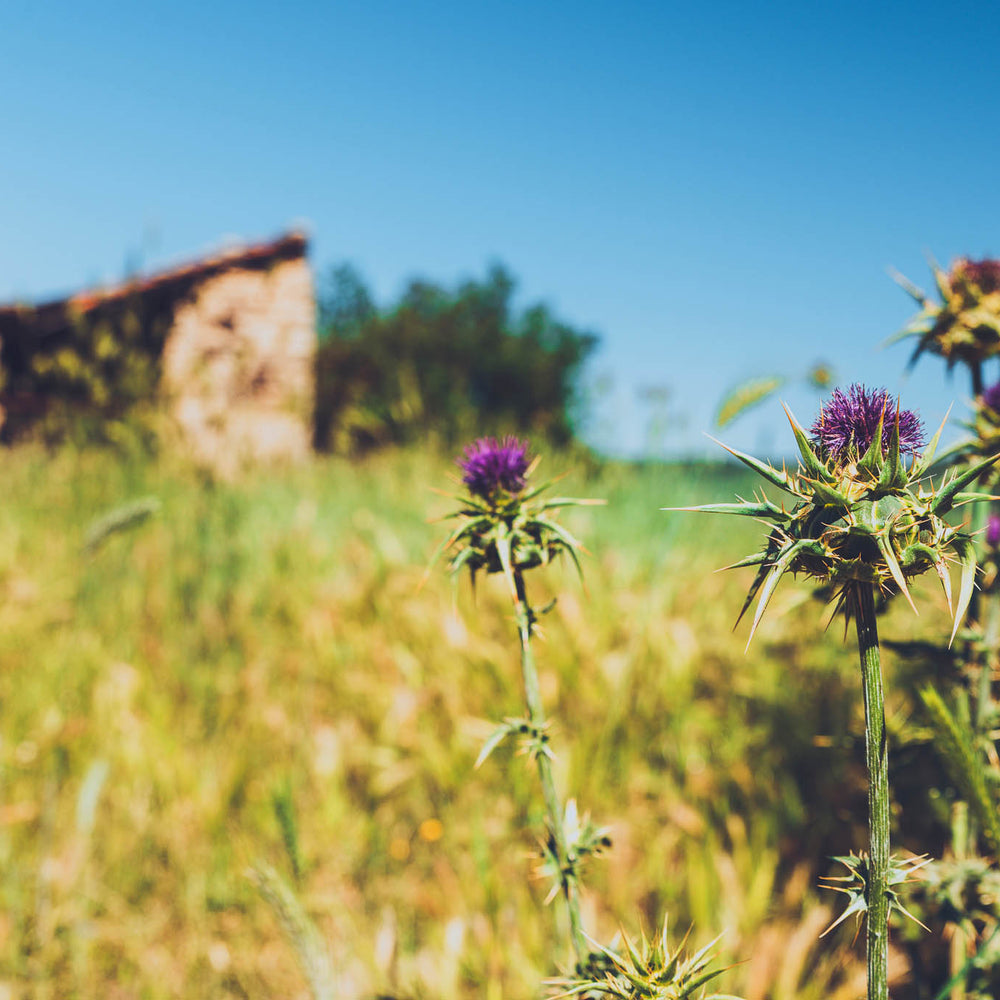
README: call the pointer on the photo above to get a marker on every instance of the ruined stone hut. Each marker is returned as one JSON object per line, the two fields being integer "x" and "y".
{"x": 225, "y": 344}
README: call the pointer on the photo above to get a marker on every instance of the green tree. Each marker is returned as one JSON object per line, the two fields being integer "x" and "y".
{"x": 447, "y": 364}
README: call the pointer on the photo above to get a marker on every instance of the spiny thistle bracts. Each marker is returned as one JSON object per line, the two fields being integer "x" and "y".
{"x": 582, "y": 838}
{"x": 965, "y": 325}
{"x": 859, "y": 517}
{"x": 646, "y": 970}
{"x": 505, "y": 526}
{"x": 856, "y": 885}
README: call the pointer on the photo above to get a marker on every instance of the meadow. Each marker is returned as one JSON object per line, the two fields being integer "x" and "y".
{"x": 255, "y": 675}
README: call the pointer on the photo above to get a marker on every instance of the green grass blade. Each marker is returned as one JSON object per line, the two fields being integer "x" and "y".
{"x": 965, "y": 766}
{"x": 745, "y": 396}
{"x": 298, "y": 928}
{"x": 123, "y": 518}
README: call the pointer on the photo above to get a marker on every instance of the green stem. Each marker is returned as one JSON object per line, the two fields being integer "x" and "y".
{"x": 878, "y": 793}
{"x": 536, "y": 713}
{"x": 976, "y": 377}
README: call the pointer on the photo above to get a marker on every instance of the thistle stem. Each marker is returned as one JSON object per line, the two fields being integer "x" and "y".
{"x": 878, "y": 792}
{"x": 536, "y": 714}
{"x": 976, "y": 377}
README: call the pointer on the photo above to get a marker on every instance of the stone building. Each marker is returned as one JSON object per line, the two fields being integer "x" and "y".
{"x": 225, "y": 344}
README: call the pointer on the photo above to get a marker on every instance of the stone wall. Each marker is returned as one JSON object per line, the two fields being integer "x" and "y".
{"x": 228, "y": 340}
{"x": 238, "y": 365}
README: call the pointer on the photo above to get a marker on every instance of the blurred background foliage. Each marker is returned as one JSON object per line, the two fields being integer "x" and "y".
{"x": 442, "y": 365}
{"x": 84, "y": 376}
{"x": 438, "y": 365}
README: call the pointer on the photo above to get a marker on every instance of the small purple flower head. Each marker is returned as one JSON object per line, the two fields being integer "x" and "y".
{"x": 492, "y": 464}
{"x": 991, "y": 397}
{"x": 983, "y": 273}
{"x": 993, "y": 531}
{"x": 848, "y": 420}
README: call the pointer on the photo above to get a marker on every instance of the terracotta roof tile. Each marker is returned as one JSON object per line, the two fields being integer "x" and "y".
{"x": 289, "y": 246}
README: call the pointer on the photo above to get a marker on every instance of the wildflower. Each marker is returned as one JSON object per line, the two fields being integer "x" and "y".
{"x": 984, "y": 274}
{"x": 860, "y": 520}
{"x": 965, "y": 325}
{"x": 860, "y": 516}
{"x": 993, "y": 531}
{"x": 991, "y": 397}
{"x": 504, "y": 525}
{"x": 849, "y": 421}
{"x": 490, "y": 465}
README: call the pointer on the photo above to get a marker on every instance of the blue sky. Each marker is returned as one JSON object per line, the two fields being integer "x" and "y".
{"x": 716, "y": 191}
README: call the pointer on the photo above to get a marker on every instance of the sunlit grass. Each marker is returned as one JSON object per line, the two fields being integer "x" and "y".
{"x": 267, "y": 642}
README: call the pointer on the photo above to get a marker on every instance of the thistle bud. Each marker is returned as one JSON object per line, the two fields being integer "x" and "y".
{"x": 504, "y": 525}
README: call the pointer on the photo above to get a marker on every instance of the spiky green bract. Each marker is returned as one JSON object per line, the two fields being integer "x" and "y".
{"x": 510, "y": 532}
{"x": 868, "y": 518}
{"x": 857, "y": 884}
{"x": 648, "y": 970}
{"x": 581, "y": 839}
{"x": 965, "y": 325}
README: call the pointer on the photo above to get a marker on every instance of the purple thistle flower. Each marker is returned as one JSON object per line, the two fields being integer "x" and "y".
{"x": 848, "y": 420}
{"x": 984, "y": 273}
{"x": 492, "y": 464}
{"x": 991, "y": 397}
{"x": 993, "y": 531}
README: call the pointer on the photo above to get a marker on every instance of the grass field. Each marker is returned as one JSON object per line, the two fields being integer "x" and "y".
{"x": 254, "y": 676}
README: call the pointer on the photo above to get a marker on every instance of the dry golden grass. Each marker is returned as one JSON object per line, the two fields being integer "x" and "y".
{"x": 253, "y": 676}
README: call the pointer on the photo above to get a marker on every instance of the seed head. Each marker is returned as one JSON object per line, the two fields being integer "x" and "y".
{"x": 492, "y": 464}
{"x": 848, "y": 422}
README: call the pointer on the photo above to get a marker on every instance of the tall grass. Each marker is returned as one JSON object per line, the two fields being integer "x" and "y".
{"x": 251, "y": 676}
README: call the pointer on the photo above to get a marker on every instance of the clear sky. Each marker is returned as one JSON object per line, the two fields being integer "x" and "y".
{"x": 716, "y": 189}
